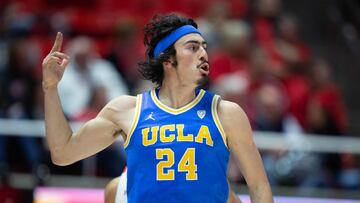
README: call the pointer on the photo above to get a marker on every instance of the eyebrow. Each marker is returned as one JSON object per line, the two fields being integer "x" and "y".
{"x": 195, "y": 42}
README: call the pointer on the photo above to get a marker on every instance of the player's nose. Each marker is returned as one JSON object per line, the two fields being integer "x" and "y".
{"x": 203, "y": 56}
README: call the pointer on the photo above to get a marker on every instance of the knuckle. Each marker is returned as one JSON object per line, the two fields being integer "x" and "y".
{"x": 45, "y": 61}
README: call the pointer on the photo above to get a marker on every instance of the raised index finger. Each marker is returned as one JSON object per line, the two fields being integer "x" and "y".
{"x": 57, "y": 43}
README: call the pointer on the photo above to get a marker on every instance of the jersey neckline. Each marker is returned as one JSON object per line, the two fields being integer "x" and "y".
{"x": 180, "y": 110}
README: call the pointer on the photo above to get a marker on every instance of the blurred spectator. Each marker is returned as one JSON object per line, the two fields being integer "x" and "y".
{"x": 258, "y": 75}
{"x": 126, "y": 50}
{"x": 278, "y": 35}
{"x": 326, "y": 111}
{"x": 326, "y": 115}
{"x": 264, "y": 22}
{"x": 294, "y": 57}
{"x": 263, "y": 97}
{"x": 214, "y": 18}
{"x": 271, "y": 109}
{"x": 97, "y": 101}
{"x": 233, "y": 55}
{"x": 86, "y": 71}
{"x": 271, "y": 114}
{"x": 23, "y": 56}
{"x": 289, "y": 54}
{"x": 17, "y": 19}
{"x": 290, "y": 47}
{"x": 297, "y": 90}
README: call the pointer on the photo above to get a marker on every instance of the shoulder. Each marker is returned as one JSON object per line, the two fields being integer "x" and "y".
{"x": 233, "y": 118}
{"x": 120, "y": 111}
{"x": 230, "y": 110}
{"x": 122, "y": 103}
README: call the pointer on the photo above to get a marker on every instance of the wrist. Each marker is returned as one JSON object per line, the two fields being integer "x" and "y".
{"x": 49, "y": 85}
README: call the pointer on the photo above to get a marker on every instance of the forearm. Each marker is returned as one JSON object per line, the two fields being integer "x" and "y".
{"x": 58, "y": 131}
{"x": 261, "y": 193}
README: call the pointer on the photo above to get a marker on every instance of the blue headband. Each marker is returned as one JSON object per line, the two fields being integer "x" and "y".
{"x": 167, "y": 41}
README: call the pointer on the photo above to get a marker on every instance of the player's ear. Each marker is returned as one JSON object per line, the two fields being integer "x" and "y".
{"x": 171, "y": 62}
{"x": 166, "y": 63}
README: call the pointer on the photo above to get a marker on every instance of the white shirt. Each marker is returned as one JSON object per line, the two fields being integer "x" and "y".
{"x": 75, "y": 88}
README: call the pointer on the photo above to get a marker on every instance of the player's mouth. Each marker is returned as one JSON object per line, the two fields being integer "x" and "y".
{"x": 204, "y": 68}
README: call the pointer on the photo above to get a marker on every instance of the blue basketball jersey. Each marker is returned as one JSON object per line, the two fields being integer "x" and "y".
{"x": 177, "y": 155}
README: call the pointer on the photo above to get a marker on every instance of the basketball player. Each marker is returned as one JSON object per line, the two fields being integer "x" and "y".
{"x": 178, "y": 137}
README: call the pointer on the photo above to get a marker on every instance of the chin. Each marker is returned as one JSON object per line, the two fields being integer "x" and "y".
{"x": 203, "y": 82}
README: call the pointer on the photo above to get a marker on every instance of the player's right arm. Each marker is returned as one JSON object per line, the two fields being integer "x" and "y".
{"x": 67, "y": 147}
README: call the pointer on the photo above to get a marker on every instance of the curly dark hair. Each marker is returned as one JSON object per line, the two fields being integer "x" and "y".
{"x": 159, "y": 27}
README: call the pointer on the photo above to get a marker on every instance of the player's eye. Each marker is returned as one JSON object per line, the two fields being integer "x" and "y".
{"x": 194, "y": 48}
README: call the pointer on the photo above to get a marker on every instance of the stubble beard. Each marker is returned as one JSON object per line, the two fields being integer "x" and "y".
{"x": 203, "y": 82}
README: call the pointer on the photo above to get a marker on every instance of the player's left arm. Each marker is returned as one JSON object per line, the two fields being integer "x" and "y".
{"x": 240, "y": 141}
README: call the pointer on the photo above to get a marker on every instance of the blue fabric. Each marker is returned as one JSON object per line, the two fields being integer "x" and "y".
{"x": 143, "y": 184}
{"x": 167, "y": 41}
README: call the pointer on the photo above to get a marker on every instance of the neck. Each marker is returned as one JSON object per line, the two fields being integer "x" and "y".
{"x": 175, "y": 95}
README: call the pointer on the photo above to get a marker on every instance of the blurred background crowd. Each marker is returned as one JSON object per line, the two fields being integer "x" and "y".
{"x": 293, "y": 66}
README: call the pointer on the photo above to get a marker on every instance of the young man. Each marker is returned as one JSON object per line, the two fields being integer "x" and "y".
{"x": 177, "y": 137}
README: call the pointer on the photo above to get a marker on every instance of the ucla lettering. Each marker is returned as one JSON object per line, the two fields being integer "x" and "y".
{"x": 204, "y": 134}
{"x": 145, "y": 135}
{"x": 163, "y": 135}
{"x": 180, "y": 135}
{"x": 172, "y": 132}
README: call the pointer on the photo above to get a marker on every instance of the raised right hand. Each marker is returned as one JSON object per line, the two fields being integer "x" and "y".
{"x": 54, "y": 64}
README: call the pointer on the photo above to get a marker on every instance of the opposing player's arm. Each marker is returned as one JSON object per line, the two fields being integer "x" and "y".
{"x": 240, "y": 141}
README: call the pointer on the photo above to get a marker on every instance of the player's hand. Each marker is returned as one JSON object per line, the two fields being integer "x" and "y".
{"x": 54, "y": 64}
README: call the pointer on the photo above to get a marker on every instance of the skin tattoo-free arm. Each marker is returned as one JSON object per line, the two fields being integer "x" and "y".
{"x": 67, "y": 147}
{"x": 240, "y": 141}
